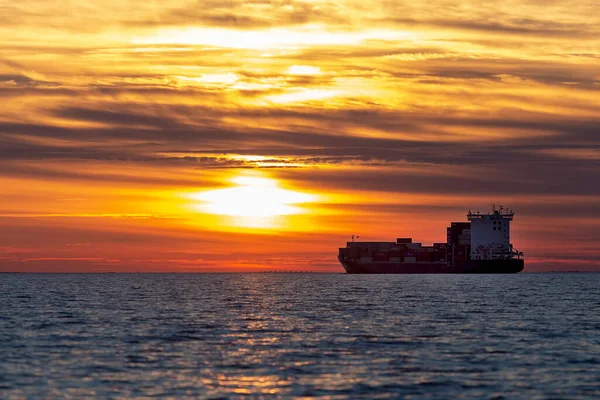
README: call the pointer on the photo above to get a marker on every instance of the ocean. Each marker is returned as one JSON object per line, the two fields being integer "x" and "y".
{"x": 283, "y": 335}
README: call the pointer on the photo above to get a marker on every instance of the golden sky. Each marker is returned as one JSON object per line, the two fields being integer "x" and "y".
{"x": 260, "y": 135}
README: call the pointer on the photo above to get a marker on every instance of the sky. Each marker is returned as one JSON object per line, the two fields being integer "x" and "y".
{"x": 217, "y": 136}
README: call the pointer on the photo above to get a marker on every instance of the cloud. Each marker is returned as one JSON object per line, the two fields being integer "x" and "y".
{"x": 115, "y": 117}
{"x": 495, "y": 179}
{"x": 408, "y": 100}
{"x": 243, "y": 14}
{"x": 417, "y": 137}
{"x": 19, "y": 79}
{"x": 517, "y": 27}
{"x": 11, "y": 64}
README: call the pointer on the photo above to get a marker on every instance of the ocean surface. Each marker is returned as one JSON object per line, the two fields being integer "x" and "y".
{"x": 524, "y": 336}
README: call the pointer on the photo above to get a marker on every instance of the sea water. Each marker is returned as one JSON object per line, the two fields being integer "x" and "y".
{"x": 300, "y": 335}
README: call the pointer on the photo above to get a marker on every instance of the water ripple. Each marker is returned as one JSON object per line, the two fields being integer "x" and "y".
{"x": 531, "y": 336}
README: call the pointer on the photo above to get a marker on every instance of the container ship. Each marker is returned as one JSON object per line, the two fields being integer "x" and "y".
{"x": 481, "y": 245}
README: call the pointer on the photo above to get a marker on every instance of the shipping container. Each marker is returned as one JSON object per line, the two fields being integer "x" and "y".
{"x": 438, "y": 255}
{"x": 424, "y": 257}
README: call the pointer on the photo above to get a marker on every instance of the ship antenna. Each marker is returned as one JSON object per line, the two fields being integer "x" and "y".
{"x": 353, "y": 238}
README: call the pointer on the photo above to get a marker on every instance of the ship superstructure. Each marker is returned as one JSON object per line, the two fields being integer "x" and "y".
{"x": 490, "y": 235}
{"x": 481, "y": 245}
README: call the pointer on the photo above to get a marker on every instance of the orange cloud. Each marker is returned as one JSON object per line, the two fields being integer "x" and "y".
{"x": 398, "y": 117}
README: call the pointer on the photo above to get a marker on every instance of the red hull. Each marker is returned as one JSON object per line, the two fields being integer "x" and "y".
{"x": 467, "y": 267}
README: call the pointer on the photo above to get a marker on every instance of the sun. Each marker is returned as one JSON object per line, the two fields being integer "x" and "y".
{"x": 253, "y": 201}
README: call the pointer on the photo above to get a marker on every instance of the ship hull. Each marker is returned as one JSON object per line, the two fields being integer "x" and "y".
{"x": 467, "y": 267}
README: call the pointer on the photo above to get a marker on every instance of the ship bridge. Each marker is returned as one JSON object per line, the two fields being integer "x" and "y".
{"x": 490, "y": 234}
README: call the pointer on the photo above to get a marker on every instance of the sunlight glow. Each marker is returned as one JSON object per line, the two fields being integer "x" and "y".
{"x": 276, "y": 38}
{"x": 252, "y": 197}
{"x": 303, "y": 70}
{"x": 225, "y": 79}
{"x": 302, "y": 95}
